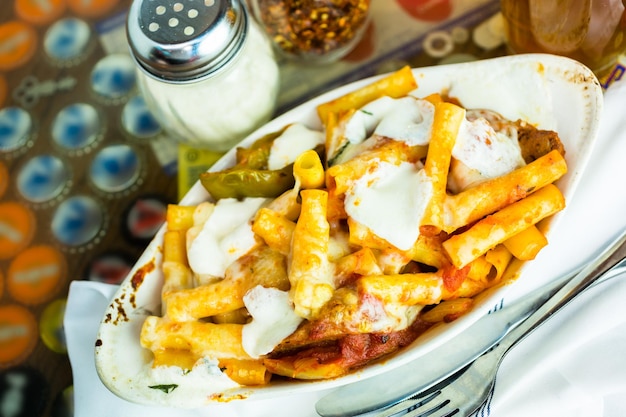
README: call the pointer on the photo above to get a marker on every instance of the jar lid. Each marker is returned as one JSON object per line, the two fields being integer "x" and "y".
{"x": 182, "y": 40}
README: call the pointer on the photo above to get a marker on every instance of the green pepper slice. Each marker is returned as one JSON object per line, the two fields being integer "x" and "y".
{"x": 257, "y": 155}
{"x": 240, "y": 182}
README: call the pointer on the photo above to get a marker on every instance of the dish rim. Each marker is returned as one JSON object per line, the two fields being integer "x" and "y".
{"x": 577, "y": 73}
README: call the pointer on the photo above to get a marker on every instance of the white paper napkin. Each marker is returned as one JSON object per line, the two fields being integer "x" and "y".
{"x": 572, "y": 366}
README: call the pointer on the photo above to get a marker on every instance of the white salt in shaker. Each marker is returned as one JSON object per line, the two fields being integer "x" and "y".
{"x": 205, "y": 69}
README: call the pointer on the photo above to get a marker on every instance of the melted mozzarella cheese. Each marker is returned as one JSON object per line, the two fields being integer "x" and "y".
{"x": 225, "y": 236}
{"x": 192, "y": 383}
{"x": 405, "y": 119}
{"x": 296, "y": 139}
{"x": 390, "y": 201}
{"x": 399, "y": 317}
{"x": 364, "y": 121}
{"x": 491, "y": 153}
{"x": 273, "y": 319}
{"x": 410, "y": 121}
{"x": 376, "y": 317}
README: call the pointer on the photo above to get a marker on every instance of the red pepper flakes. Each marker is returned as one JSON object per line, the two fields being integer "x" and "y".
{"x": 314, "y": 28}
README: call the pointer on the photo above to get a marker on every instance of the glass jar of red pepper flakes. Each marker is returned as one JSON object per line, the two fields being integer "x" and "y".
{"x": 313, "y": 30}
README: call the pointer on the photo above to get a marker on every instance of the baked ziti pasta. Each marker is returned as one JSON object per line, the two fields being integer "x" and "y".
{"x": 324, "y": 250}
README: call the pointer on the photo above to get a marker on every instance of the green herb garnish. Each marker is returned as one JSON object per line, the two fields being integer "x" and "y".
{"x": 166, "y": 388}
{"x": 336, "y": 157}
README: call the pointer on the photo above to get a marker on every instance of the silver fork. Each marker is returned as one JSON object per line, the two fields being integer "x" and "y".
{"x": 466, "y": 391}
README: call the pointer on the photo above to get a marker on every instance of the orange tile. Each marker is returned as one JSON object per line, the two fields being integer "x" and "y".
{"x": 17, "y": 227}
{"x": 36, "y": 274}
{"x": 91, "y": 8}
{"x": 18, "y": 327}
{"x": 40, "y": 12}
{"x": 18, "y": 42}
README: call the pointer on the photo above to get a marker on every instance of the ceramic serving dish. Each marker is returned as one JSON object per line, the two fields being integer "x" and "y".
{"x": 549, "y": 91}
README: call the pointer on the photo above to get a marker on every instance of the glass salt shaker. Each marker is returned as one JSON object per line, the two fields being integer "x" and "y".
{"x": 205, "y": 69}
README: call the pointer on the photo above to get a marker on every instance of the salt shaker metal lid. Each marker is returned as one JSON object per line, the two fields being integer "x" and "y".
{"x": 183, "y": 40}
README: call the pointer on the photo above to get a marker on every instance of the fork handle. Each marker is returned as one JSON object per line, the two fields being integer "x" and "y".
{"x": 576, "y": 286}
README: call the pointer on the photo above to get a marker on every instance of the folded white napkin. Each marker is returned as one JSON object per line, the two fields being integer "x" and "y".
{"x": 572, "y": 366}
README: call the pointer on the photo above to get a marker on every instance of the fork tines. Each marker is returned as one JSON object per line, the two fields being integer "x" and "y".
{"x": 421, "y": 406}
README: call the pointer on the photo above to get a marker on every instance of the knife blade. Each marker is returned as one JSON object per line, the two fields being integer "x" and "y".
{"x": 435, "y": 366}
